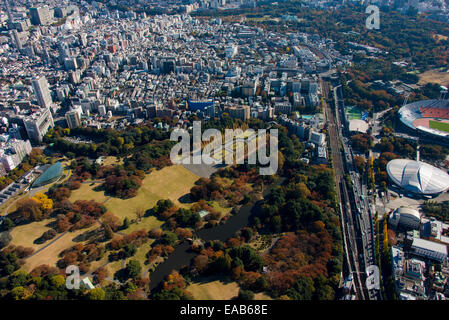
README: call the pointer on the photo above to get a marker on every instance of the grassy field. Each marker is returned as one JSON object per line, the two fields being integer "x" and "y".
{"x": 169, "y": 183}
{"x": 113, "y": 267}
{"x": 214, "y": 288}
{"x": 259, "y": 19}
{"x": 49, "y": 255}
{"x": 140, "y": 256}
{"x": 147, "y": 223}
{"x": 111, "y": 160}
{"x": 435, "y": 76}
{"x": 218, "y": 207}
{"x": 442, "y": 126}
{"x": 25, "y": 235}
{"x": 94, "y": 265}
{"x": 86, "y": 192}
{"x": 354, "y": 113}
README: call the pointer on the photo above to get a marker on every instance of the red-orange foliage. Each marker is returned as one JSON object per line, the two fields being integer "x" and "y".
{"x": 137, "y": 237}
{"x": 301, "y": 254}
{"x": 200, "y": 262}
{"x": 101, "y": 274}
{"x": 248, "y": 279}
{"x": 43, "y": 270}
{"x": 174, "y": 280}
{"x": 183, "y": 233}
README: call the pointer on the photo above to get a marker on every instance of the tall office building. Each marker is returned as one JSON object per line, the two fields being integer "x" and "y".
{"x": 13, "y": 152}
{"x": 41, "y": 15}
{"x": 16, "y": 39}
{"x": 239, "y": 112}
{"x": 73, "y": 119}
{"x": 40, "y": 86}
{"x": 38, "y": 123}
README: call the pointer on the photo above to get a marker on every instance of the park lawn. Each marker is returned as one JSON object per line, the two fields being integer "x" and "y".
{"x": 97, "y": 264}
{"x": 168, "y": 183}
{"x": 434, "y": 76}
{"x": 24, "y": 235}
{"x": 147, "y": 223}
{"x": 86, "y": 192}
{"x": 224, "y": 211}
{"x": 214, "y": 290}
{"x": 113, "y": 267}
{"x": 141, "y": 255}
{"x": 218, "y": 289}
{"x": 111, "y": 160}
{"x": 442, "y": 126}
{"x": 259, "y": 19}
{"x": 50, "y": 254}
{"x": 262, "y": 296}
{"x": 11, "y": 205}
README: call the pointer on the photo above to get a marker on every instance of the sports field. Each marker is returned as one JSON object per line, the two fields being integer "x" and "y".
{"x": 354, "y": 113}
{"x": 439, "y": 125}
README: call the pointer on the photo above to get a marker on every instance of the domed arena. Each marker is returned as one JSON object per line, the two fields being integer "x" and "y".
{"x": 417, "y": 177}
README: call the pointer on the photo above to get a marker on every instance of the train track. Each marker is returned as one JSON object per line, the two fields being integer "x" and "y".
{"x": 349, "y": 232}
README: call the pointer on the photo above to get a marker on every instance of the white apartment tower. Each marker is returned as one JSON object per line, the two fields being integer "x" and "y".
{"x": 40, "y": 86}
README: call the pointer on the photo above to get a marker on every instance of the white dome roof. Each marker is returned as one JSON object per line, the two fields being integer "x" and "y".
{"x": 417, "y": 176}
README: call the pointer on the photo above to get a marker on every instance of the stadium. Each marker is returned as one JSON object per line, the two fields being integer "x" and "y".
{"x": 427, "y": 117}
{"x": 417, "y": 177}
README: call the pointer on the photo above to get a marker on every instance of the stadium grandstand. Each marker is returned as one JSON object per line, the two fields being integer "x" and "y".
{"x": 427, "y": 117}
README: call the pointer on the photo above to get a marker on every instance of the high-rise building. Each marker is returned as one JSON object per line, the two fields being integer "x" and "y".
{"x": 16, "y": 39}
{"x": 40, "y": 86}
{"x": 41, "y": 15}
{"x": 73, "y": 119}
{"x": 239, "y": 112}
{"x": 13, "y": 152}
{"x": 38, "y": 123}
{"x": 102, "y": 110}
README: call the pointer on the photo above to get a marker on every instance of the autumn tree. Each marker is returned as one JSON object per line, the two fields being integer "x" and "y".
{"x": 174, "y": 280}
{"x": 101, "y": 274}
{"x": 183, "y": 233}
{"x": 110, "y": 220}
{"x": 29, "y": 209}
{"x": 140, "y": 212}
{"x": 45, "y": 202}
